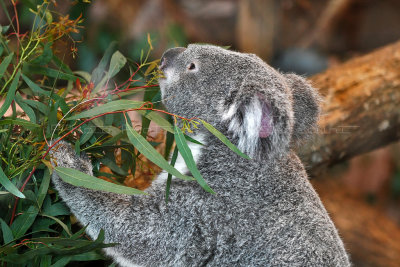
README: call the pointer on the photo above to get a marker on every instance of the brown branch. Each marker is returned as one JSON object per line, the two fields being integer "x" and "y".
{"x": 361, "y": 110}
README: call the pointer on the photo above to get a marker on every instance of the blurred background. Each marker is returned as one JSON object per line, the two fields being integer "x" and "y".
{"x": 301, "y": 36}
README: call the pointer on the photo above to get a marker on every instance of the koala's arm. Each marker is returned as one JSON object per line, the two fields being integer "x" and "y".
{"x": 97, "y": 209}
{"x": 146, "y": 230}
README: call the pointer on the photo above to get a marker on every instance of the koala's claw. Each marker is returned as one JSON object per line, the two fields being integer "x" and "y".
{"x": 63, "y": 155}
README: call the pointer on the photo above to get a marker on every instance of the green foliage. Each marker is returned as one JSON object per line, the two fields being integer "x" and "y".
{"x": 42, "y": 102}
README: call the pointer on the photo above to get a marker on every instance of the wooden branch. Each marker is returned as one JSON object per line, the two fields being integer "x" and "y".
{"x": 361, "y": 109}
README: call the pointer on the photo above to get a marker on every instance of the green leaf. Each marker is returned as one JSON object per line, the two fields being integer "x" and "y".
{"x": 5, "y": 63}
{"x": 88, "y": 256}
{"x": 45, "y": 260}
{"x": 99, "y": 72}
{"x": 150, "y": 153}
{"x": 169, "y": 178}
{"x": 7, "y": 233}
{"x": 27, "y": 124}
{"x": 23, "y": 222}
{"x": 169, "y": 141}
{"x": 35, "y": 88}
{"x": 111, "y": 130}
{"x": 190, "y": 139}
{"x": 62, "y": 262}
{"x": 61, "y": 103}
{"x": 56, "y": 246}
{"x": 27, "y": 109}
{"x": 85, "y": 75}
{"x": 44, "y": 186}
{"x": 61, "y": 65}
{"x": 45, "y": 57}
{"x": 78, "y": 178}
{"x": 108, "y": 107}
{"x": 63, "y": 225}
{"x": 37, "y": 69}
{"x": 10, "y": 187}
{"x": 43, "y": 108}
{"x": 113, "y": 166}
{"x": 56, "y": 209}
{"x": 158, "y": 119}
{"x": 116, "y": 64}
{"x": 87, "y": 132}
{"x": 10, "y": 94}
{"x": 187, "y": 156}
{"x": 224, "y": 140}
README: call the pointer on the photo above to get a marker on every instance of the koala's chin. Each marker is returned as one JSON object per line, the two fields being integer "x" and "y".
{"x": 264, "y": 212}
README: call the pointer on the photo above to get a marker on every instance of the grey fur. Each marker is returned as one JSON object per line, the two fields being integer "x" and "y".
{"x": 265, "y": 212}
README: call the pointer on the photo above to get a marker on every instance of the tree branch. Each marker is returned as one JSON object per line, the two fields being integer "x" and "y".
{"x": 361, "y": 108}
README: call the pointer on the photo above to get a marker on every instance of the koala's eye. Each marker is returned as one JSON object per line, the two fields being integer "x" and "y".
{"x": 191, "y": 66}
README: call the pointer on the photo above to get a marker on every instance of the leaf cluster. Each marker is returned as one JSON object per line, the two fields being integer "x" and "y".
{"x": 43, "y": 102}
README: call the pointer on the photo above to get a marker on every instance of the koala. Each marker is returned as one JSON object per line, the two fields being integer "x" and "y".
{"x": 264, "y": 213}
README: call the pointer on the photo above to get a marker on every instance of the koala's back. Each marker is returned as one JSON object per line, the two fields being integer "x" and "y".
{"x": 271, "y": 215}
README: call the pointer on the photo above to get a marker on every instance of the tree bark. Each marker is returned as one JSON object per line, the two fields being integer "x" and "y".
{"x": 360, "y": 111}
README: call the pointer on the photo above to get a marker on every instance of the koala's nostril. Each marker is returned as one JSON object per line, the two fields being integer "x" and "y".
{"x": 169, "y": 56}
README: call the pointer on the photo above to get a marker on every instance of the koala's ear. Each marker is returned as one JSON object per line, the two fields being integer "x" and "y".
{"x": 259, "y": 117}
{"x": 306, "y": 106}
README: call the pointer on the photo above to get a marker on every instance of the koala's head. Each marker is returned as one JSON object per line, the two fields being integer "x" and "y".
{"x": 260, "y": 109}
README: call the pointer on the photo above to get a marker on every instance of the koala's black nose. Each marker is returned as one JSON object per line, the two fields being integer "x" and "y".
{"x": 169, "y": 56}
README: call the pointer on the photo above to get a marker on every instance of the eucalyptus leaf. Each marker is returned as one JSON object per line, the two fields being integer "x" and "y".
{"x": 10, "y": 187}
{"x": 78, "y": 178}
{"x": 43, "y": 108}
{"x": 45, "y": 57}
{"x": 99, "y": 72}
{"x": 87, "y": 132}
{"x": 158, "y": 119}
{"x": 111, "y": 130}
{"x": 108, "y": 107}
{"x": 56, "y": 209}
{"x": 224, "y": 140}
{"x": 63, "y": 225}
{"x": 44, "y": 186}
{"x": 187, "y": 156}
{"x": 25, "y": 123}
{"x": 169, "y": 178}
{"x": 4, "y": 64}
{"x": 61, "y": 65}
{"x": 7, "y": 233}
{"x": 23, "y": 222}
{"x": 10, "y": 94}
{"x": 85, "y": 75}
{"x": 143, "y": 146}
{"x": 26, "y": 108}
{"x": 46, "y": 71}
{"x": 35, "y": 88}
{"x": 116, "y": 64}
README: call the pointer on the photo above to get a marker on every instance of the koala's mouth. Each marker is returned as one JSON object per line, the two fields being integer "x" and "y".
{"x": 162, "y": 76}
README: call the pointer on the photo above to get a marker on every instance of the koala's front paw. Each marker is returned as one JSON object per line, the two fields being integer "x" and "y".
{"x": 63, "y": 155}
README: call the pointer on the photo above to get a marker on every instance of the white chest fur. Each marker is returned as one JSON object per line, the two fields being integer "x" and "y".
{"x": 180, "y": 164}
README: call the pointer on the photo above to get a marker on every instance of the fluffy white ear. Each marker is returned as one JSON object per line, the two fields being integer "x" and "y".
{"x": 249, "y": 122}
{"x": 259, "y": 117}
